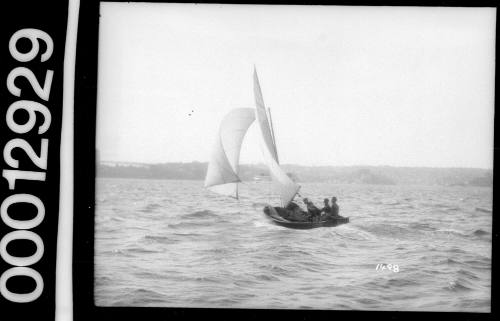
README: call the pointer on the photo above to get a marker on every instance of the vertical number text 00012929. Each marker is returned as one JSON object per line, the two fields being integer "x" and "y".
{"x": 36, "y": 111}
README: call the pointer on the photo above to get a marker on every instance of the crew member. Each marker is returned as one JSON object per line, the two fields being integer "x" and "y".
{"x": 335, "y": 207}
{"x": 295, "y": 213}
{"x": 292, "y": 206}
{"x": 326, "y": 210}
{"x": 313, "y": 210}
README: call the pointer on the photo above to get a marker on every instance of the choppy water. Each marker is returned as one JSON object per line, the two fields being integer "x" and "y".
{"x": 172, "y": 243}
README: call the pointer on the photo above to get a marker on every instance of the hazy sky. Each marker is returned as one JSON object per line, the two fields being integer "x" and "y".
{"x": 407, "y": 86}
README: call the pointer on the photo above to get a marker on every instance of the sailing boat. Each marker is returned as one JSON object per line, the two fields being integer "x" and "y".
{"x": 223, "y": 169}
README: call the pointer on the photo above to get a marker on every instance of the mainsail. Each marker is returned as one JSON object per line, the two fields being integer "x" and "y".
{"x": 287, "y": 189}
{"x": 260, "y": 112}
{"x": 222, "y": 174}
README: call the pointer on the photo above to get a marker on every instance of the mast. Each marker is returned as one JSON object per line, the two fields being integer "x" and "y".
{"x": 272, "y": 135}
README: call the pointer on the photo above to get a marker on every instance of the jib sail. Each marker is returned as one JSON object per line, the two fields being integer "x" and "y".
{"x": 222, "y": 173}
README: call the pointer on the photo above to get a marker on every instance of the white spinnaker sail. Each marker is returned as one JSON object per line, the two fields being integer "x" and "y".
{"x": 284, "y": 185}
{"x": 222, "y": 173}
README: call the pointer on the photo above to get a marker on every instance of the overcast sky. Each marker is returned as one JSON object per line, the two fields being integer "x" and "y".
{"x": 407, "y": 86}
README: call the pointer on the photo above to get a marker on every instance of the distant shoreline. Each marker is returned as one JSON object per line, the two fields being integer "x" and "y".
{"x": 259, "y": 165}
{"x": 309, "y": 182}
{"x": 377, "y": 175}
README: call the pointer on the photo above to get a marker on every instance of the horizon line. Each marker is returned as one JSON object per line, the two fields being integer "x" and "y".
{"x": 292, "y": 164}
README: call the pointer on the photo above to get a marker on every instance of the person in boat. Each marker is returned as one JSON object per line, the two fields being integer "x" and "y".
{"x": 295, "y": 213}
{"x": 335, "y": 207}
{"x": 313, "y": 210}
{"x": 326, "y": 211}
{"x": 292, "y": 206}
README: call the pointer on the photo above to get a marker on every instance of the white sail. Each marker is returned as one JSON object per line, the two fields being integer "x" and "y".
{"x": 260, "y": 111}
{"x": 222, "y": 173}
{"x": 286, "y": 188}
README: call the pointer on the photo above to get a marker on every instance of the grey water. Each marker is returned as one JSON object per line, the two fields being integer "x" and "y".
{"x": 171, "y": 243}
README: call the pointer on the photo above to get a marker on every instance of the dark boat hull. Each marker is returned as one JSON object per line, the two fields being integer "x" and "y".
{"x": 274, "y": 217}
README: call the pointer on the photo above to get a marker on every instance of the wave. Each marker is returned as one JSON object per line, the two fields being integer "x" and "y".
{"x": 480, "y": 232}
{"x": 391, "y": 230}
{"x": 396, "y": 281}
{"x": 148, "y": 275}
{"x": 480, "y": 259}
{"x": 449, "y": 231}
{"x": 451, "y": 261}
{"x": 205, "y": 214}
{"x": 160, "y": 239}
{"x": 189, "y": 234}
{"x": 345, "y": 232}
{"x": 468, "y": 274}
{"x": 421, "y": 226}
{"x": 290, "y": 252}
{"x": 103, "y": 280}
{"x": 259, "y": 205}
{"x": 390, "y": 202}
{"x": 266, "y": 277}
{"x": 457, "y": 286}
{"x": 444, "y": 207}
{"x": 401, "y": 282}
{"x": 368, "y": 301}
{"x": 147, "y": 294}
{"x": 138, "y": 250}
{"x": 150, "y": 208}
{"x": 108, "y": 219}
{"x": 274, "y": 269}
{"x": 206, "y": 279}
{"x": 484, "y": 210}
{"x": 189, "y": 225}
{"x": 441, "y": 205}
{"x": 156, "y": 238}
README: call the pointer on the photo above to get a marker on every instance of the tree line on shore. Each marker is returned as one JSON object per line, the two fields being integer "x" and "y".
{"x": 385, "y": 175}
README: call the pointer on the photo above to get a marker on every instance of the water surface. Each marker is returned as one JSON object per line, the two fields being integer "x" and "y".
{"x": 173, "y": 244}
